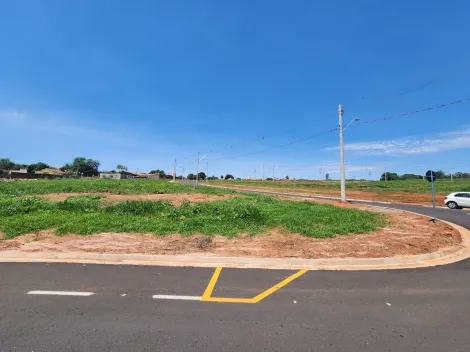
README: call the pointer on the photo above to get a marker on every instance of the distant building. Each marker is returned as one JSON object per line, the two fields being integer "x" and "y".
{"x": 47, "y": 173}
{"x": 122, "y": 175}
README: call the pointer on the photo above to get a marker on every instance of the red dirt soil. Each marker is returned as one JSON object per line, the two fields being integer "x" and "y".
{"x": 391, "y": 197}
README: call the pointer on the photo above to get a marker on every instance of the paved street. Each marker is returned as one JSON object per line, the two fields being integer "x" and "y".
{"x": 111, "y": 308}
{"x": 407, "y": 310}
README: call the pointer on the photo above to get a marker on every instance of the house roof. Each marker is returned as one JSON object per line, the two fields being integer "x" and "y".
{"x": 50, "y": 170}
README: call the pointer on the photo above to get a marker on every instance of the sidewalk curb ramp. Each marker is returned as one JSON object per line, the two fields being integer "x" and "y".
{"x": 440, "y": 257}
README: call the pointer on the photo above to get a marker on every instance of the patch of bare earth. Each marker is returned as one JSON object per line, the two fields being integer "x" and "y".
{"x": 173, "y": 198}
{"x": 406, "y": 234}
{"x": 392, "y": 197}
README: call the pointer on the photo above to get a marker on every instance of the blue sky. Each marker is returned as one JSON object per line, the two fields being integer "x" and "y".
{"x": 141, "y": 83}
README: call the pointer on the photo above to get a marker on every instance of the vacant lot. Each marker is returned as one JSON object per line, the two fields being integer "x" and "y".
{"x": 412, "y": 191}
{"x": 443, "y": 186}
{"x": 148, "y": 216}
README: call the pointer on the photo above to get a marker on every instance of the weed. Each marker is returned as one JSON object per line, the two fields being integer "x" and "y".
{"x": 252, "y": 214}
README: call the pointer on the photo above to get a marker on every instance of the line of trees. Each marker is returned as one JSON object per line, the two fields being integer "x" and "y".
{"x": 393, "y": 176}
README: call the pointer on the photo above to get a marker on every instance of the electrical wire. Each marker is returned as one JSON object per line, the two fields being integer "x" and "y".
{"x": 353, "y": 125}
{"x": 410, "y": 112}
{"x": 278, "y": 146}
{"x": 437, "y": 80}
{"x": 336, "y": 129}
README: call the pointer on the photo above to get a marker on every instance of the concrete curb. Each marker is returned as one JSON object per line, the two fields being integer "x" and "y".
{"x": 441, "y": 257}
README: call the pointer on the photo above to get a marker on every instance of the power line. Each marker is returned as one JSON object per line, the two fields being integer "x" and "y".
{"x": 356, "y": 124}
{"x": 336, "y": 129}
{"x": 278, "y": 146}
{"x": 435, "y": 80}
{"x": 411, "y": 112}
{"x": 247, "y": 142}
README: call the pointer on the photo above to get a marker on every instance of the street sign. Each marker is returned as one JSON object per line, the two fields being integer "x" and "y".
{"x": 431, "y": 176}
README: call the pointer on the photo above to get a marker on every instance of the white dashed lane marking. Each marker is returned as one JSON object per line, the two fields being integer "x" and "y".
{"x": 61, "y": 293}
{"x": 184, "y": 298}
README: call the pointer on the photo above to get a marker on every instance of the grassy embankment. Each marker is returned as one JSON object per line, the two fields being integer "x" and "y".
{"x": 21, "y": 212}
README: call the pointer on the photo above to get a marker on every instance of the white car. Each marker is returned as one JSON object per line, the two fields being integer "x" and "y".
{"x": 458, "y": 200}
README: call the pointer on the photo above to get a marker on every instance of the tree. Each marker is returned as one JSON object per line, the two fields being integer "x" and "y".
{"x": 37, "y": 167}
{"x": 287, "y": 177}
{"x": 7, "y": 164}
{"x": 410, "y": 177}
{"x": 440, "y": 174}
{"x": 121, "y": 168}
{"x": 221, "y": 177}
{"x": 66, "y": 168}
{"x": 201, "y": 176}
{"x": 160, "y": 172}
{"x": 327, "y": 177}
{"x": 83, "y": 166}
{"x": 391, "y": 176}
{"x": 228, "y": 177}
{"x": 191, "y": 177}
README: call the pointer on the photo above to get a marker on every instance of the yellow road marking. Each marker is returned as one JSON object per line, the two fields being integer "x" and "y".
{"x": 283, "y": 283}
{"x": 229, "y": 300}
{"x": 208, "y": 292}
{"x": 207, "y": 296}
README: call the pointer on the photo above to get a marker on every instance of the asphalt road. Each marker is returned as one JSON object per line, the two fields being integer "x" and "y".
{"x": 406, "y": 310}
{"x": 396, "y": 310}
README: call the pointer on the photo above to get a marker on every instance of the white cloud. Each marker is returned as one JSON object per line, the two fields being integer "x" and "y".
{"x": 412, "y": 145}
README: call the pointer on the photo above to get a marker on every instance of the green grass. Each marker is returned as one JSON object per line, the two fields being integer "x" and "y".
{"x": 410, "y": 186}
{"x": 253, "y": 214}
{"x": 134, "y": 186}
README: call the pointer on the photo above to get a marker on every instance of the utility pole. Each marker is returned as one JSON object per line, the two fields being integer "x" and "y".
{"x": 321, "y": 172}
{"x": 341, "y": 153}
{"x": 255, "y": 173}
{"x": 174, "y": 171}
{"x": 197, "y": 170}
{"x": 263, "y": 172}
{"x": 273, "y": 171}
{"x": 207, "y": 170}
{"x": 385, "y": 177}
{"x": 451, "y": 177}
